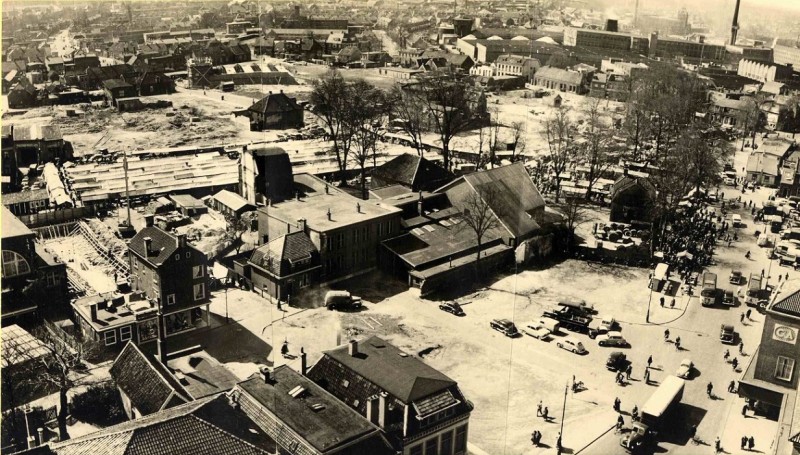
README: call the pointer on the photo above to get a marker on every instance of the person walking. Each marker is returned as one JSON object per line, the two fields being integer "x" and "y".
{"x": 735, "y": 363}
{"x": 726, "y": 355}
{"x": 661, "y": 300}
{"x": 666, "y": 335}
{"x": 620, "y": 422}
{"x": 628, "y": 372}
{"x": 741, "y": 318}
{"x": 709, "y": 389}
{"x": 762, "y": 273}
{"x": 647, "y": 375}
{"x": 544, "y": 414}
{"x": 649, "y": 361}
{"x": 678, "y": 344}
{"x": 717, "y": 445}
{"x": 751, "y": 443}
{"x": 787, "y": 276}
{"x": 672, "y": 303}
{"x": 744, "y": 442}
{"x": 732, "y": 387}
{"x": 741, "y": 347}
{"x": 744, "y": 411}
{"x": 749, "y": 312}
{"x": 285, "y": 348}
{"x": 539, "y": 409}
{"x": 617, "y": 404}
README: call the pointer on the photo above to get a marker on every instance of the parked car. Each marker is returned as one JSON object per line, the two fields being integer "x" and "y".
{"x": 612, "y": 339}
{"x": 571, "y": 344}
{"x": 505, "y": 327}
{"x": 730, "y": 181}
{"x": 336, "y": 300}
{"x": 736, "y": 220}
{"x": 728, "y": 298}
{"x": 617, "y": 361}
{"x": 685, "y": 369}
{"x": 736, "y": 277}
{"x": 537, "y": 331}
{"x": 452, "y": 308}
{"x": 550, "y": 324}
{"x": 727, "y": 334}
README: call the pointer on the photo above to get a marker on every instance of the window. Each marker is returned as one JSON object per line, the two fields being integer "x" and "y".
{"x": 199, "y": 291}
{"x": 447, "y": 443}
{"x": 125, "y": 333}
{"x": 110, "y": 337}
{"x": 303, "y": 281}
{"x": 52, "y": 279}
{"x": 784, "y": 368}
{"x": 197, "y": 271}
{"x": 461, "y": 439}
{"x": 14, "y": 264}
{"x": 135, "y": 263}
{"x": 177, "y": 257}
{"x": 171, "y": 299}
{"x": 188, "y": 254}
{"x": 416, "y": 450}
{"x": 432, "y": 446}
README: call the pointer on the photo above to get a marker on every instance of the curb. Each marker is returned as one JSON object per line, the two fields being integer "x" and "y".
{"x": 594, "y": 440}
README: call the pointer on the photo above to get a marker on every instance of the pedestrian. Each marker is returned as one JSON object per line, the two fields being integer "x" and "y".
{"x": 647, "y": 375}
{"x": 741, "y": 318}
{"x": 727, "y": 354}
{"x": 709, "y": 389}
{"x": 544, "y": 413}
{"x": 744, "y": 411}
{"x": 666, "y": 335}
{"x": 749, "y": 312}
{"x": 735, "y": 363}
{"x": 617, "y": 404}
{"x": 628, "y": 372}
{"x": 732, "y": 387}
{"x": 649, "y": 361}
{"x": 558, "y": 443}
{"x": 744, "y": 441}
{"x": 751, "y": 443}
{"x": 539, "y": 409}
{"x": 717, "y": 445}
{"x": 672, "y": 304}
{"x": 620, "y": 422}
{"x": 762, "y": 273}
{"x": 787, "y": 276}
{"x": 678, "y": 344}
{"x": 779, "y": 278}
{"x": 741, "y": 347}
{"x": 662, "y": 301}
{"x": 635, "y": 412}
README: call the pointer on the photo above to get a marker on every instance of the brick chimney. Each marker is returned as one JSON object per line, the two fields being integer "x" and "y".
{"x": 93, "y": 311}
{"x": 352, "y": 349}
{"x": 148, "y": 246}
{"x": 266, "y": 374}
{"x": 301, "y": 225}
{"x": 420, "y": 201}
{"x": 181, "y": 240}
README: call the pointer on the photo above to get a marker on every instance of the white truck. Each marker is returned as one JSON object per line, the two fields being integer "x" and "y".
{"x": 654, "y": 413}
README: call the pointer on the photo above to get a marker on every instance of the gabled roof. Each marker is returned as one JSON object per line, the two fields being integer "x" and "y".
{"x": 275, "y": 103}
{"x": 405, "y": 377}
{"x": 320, "y": 419}
{"x": 560, "y": 75}
{"x": 277, "y": 255}
{"x": 148, "y": 383}
{"x": 163, "y": 244}
{"x": 627, "y": 182}
{"x": 111, "y": 84}
{"x": 231, "y": 200}
{"x": 413, "y": 171}
{"x": 788, "y": 305}
{"x": 11, "y": 226}
{"x": 202, "y": 426}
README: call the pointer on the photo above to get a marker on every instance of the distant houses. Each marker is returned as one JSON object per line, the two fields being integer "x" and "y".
{"x": 275, "y": 111}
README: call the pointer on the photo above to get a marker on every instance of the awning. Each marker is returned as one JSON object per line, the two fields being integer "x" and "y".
{"x": 756, "y": 392}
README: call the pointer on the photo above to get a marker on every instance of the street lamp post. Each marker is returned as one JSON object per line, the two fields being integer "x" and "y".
{"x": 27, "y": 412}
{"x": 563, "y": 414}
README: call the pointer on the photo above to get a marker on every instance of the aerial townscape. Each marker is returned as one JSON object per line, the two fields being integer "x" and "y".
{"x": 400, "y": 227}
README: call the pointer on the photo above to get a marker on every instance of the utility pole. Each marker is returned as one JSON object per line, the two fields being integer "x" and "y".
{"x": 559, "y": 442}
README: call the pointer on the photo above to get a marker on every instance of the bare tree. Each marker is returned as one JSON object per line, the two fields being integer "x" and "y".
{"x": 409, "y": 108}
{"x": 330, "y": 98}
{"x": 368, "y": 108}
{"x": 750, "y": 118}
{"x": 575, "y": 213}
{"x": 597, "y": 152}
{"x": 561, "y": 146}
{"x": 236, "y": 227}
{"x": 54, "y": 365}
{"x": 478, "y": 216}
{"x": 517, "y": 140}
{"x": 450, "y": 104}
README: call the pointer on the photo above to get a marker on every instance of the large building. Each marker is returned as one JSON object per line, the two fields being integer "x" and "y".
{"x": 171, "y": 273}
{"x": 583, "y": 37}
{"x": 419, "y": 409}
{"x": 770, "y": 381}
{"x": 275, "y": 111}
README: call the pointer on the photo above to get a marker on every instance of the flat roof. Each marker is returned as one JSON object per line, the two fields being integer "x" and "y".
{"x": 315, "y": 204}
{"x": 333, "y": 424}
{"x": 200, "y": 374}
{"x": 124, "y": 313}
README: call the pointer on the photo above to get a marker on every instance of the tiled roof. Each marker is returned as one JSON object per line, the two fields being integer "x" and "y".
{"x": 147, "y": 382}
{"x": 275, "y": 103}
{"x": 277, "y": 255}
{"x": 789, "y": 305}
{"x": 405, "y": 377}
{"x": 197, "y": 427}
{"x": 25, "y": 196}
{"x": 164, "y": 243}
{"x": 111, "y": 84}
{"x": 413, "y": 171}
{"x": 435, "y": 403}
{"x": 559, "y": 75}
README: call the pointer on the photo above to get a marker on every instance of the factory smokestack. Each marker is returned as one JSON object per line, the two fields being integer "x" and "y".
{"x": 735, "y": 24}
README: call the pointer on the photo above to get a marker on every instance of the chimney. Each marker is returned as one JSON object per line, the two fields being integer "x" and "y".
{"x": 329, "y": 214}
{"x": 303, "y": 362}
{"x": 148, "y": 245}
{"x": 161, "y": 343}
{"x": 40, "y": 433}
{"x": 420, "y": 211}
{"x": 148, "y": 220}
{"x": 270, "y": 92}
{"x": 383, "y": 409}
{"x": 372, "y": 409}
{"x": 352, "y": 349}
{"x": 181, "y": 240}
{"x": 301, "y": 225}
{"x": 93, "y": 310}
{"x": 266, "y": 374}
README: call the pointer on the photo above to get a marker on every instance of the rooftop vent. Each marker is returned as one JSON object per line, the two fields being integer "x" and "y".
{"x": 317, "y": 407}
{"x": 297, "y": 391}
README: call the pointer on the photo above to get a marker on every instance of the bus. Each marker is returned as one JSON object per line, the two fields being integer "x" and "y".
{"x": 709, "y": 292}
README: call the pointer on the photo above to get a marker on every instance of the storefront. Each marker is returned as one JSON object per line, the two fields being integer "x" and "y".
{"x": 185, "y": 320}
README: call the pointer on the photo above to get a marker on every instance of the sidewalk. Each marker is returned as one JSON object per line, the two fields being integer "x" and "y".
{"x": 760, "y": 428}
{"x": 579, "y": 432}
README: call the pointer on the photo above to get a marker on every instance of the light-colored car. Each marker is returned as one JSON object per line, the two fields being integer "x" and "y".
{"x": 536, "y": 330}
{"x": 685, "y": 370}
{"x": 730, "y": 181}
{"x": 736, "y": 220}
{"x": 571, "y": 344}
{"x": 612, "y": 339}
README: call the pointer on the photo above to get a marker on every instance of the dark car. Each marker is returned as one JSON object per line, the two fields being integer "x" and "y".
{"x": 452, "y": 308}
{"x": 505, "y": 327}
{"x": 617, "y": 361}
{"x": 728, "y": 298}
{"x": 727, "y": 334}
